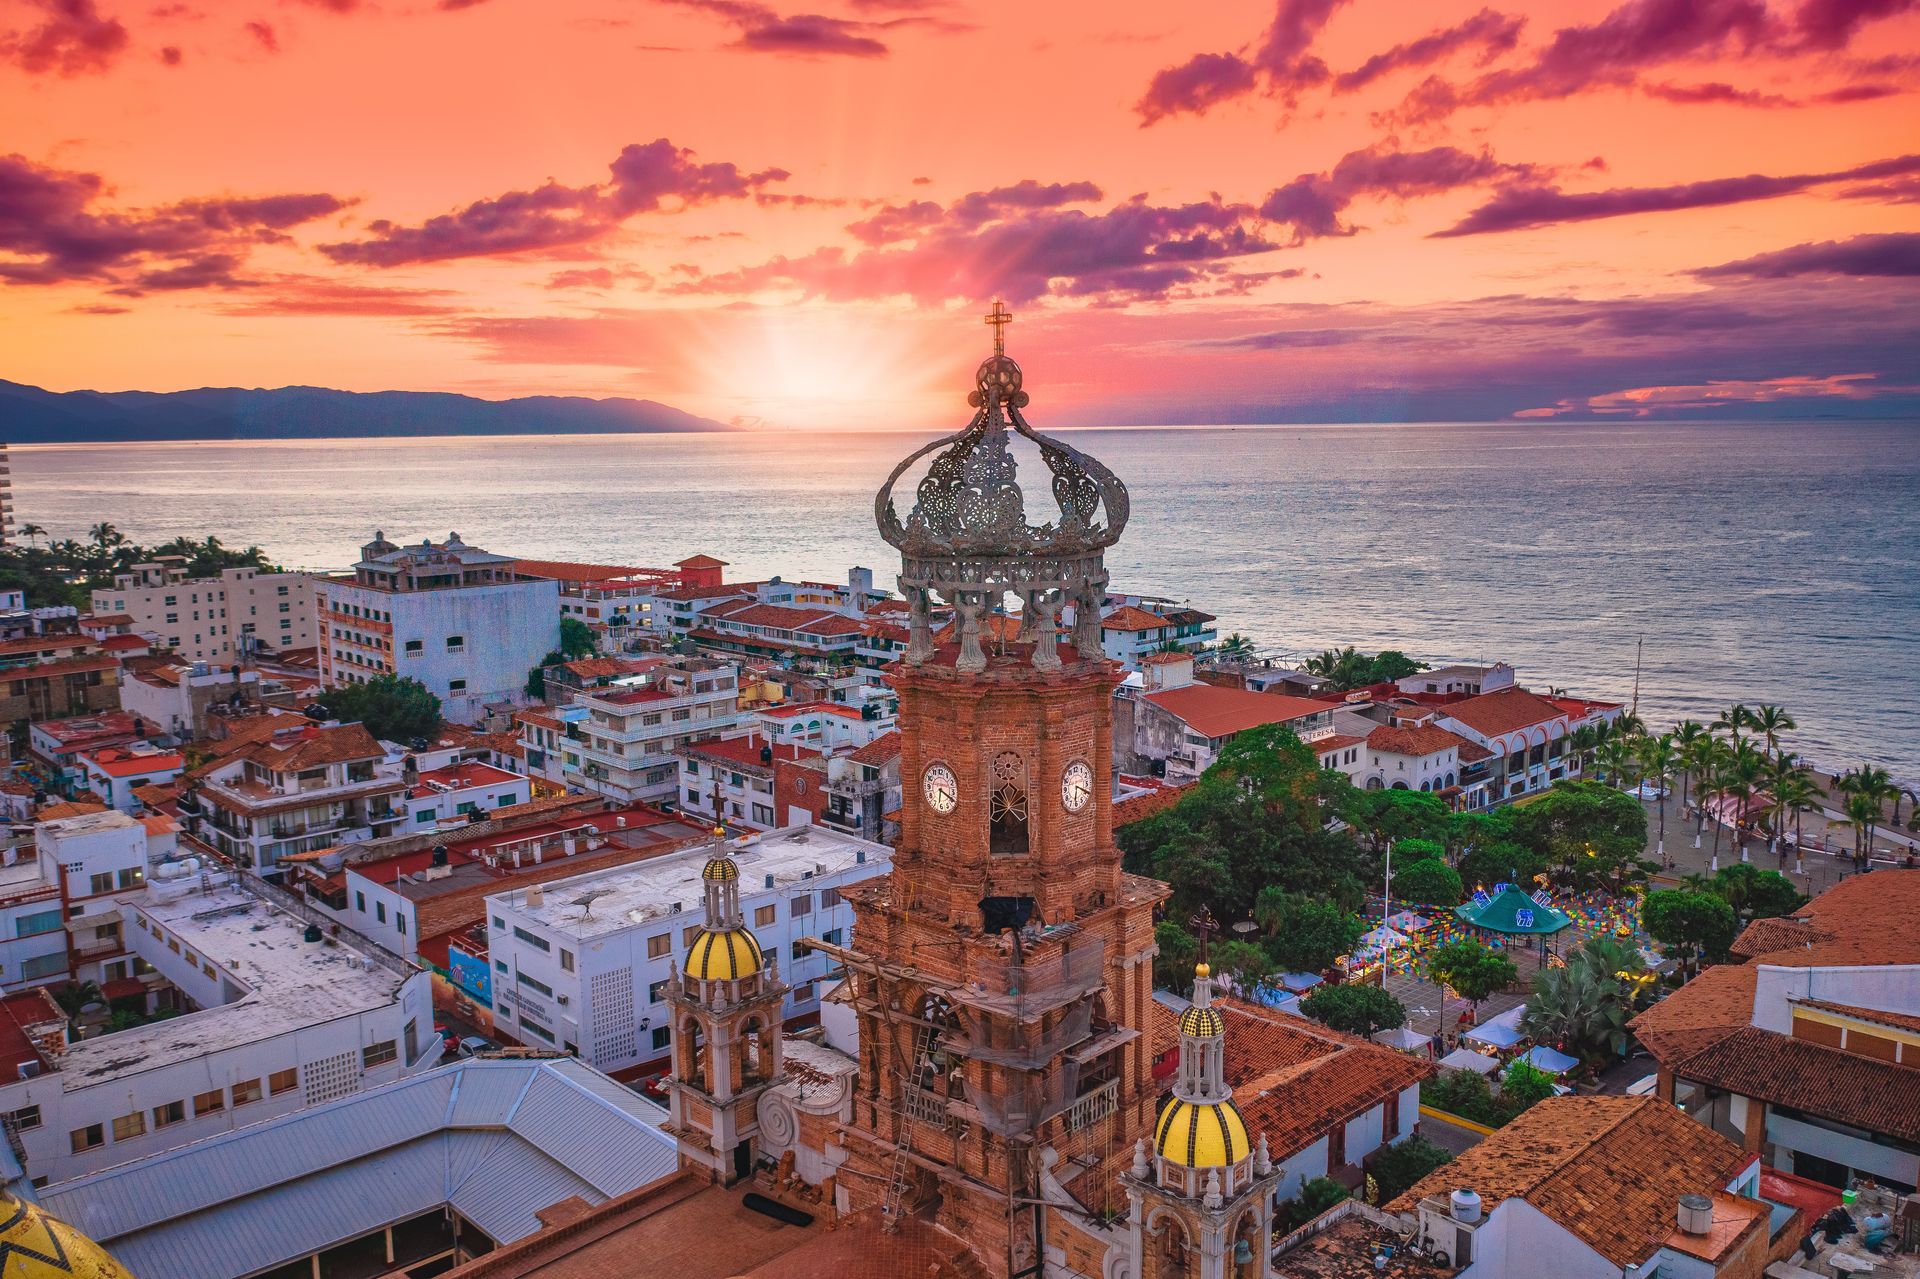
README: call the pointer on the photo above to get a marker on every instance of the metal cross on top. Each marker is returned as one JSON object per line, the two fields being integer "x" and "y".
{"x": 999, "y": 318}
{"x": 1204, "y": 926}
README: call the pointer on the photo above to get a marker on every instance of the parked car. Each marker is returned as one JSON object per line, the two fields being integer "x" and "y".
{"x": 473, "y": 1046}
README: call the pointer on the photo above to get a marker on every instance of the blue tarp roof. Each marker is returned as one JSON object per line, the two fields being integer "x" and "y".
{"x": 1551, "y": 1060}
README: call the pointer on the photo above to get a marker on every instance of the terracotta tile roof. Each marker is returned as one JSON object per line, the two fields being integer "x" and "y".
{"x": 1473, "y": 752}
{"x": 777, "y": 616}
{"x": 1901, "y": 1021}
{"x": 65, "y": 666}
{"x": 1136, "y": 808}
{"x": 1504, "y": 711}
{"x": 1878, "y": 1096}
{"x": 787, "y": 710}
{"x": 68, "y": 808}
{"x": 119, "y": 763}
{"x": 1424, "y": 739}
{"x": 1764, "y": 936}
{"x": 1294, "y": 1079}
{"x": 1873, "y": 919}
{"x": 1212, "y": 711}
{"x": 1338, "y": 742}
{"x": 574, "y": 571}
{"x": 1607, "y": 1169}
{"x": 604, "y": 667}
{"x": 994, "y": 626}
{"x": 878, "y": 751}
{"x": 745, "y": 751}
{"x": 1130, "y": 618}
{"x": 1708, "y": 1008}
{"x": 160, "y": 824}
{"x": 699, "y": 561}
{"x": 46, "y": 644}
{"x": 316, "y": 747}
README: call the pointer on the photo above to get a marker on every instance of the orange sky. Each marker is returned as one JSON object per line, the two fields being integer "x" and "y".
{"x": 243, "y": 192}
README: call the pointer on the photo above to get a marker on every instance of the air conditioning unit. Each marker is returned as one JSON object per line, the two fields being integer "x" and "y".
{"x": 563, "y": 1000}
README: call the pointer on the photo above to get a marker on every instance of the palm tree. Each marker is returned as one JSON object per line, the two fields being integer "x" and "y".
{"x": 1872, "y": 787}
{"x": 1685, "y": 734}
{"x": 1794, "y": 792}
{"x": 1742, "y": 780}
{"x": 1771, "y": 721}
{"x": 1733, "y": 721}
{"x": 1656, "y": 763}
{"x": 1585, "y": 740}
{"x": 1861, "y": 813}
{"x": 33, "y": 533}
{"x": 1234, "y": 648}
{"x": 1706, "y": 790}
{"x": 1616, "y": 756}
{"x": 1778, "y": 781}
{"x": 105, "y": 537}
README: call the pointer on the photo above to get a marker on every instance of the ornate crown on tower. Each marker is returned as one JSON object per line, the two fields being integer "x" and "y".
{"x": 970, "y": 502}
{"x": 969, "y": 542}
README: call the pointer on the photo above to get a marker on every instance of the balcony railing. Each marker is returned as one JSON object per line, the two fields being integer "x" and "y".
{"x": 927, "y": 1107}
{"x": 1094, "y": 1107}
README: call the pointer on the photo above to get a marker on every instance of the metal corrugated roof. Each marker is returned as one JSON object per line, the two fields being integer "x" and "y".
{"x": 498, "y": 1139}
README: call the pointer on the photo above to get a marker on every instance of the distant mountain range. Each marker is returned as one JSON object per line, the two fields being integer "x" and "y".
{"x": 29, "y": 415}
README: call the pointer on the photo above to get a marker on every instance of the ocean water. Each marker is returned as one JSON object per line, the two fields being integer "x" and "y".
{"x": 1760, "y": 563}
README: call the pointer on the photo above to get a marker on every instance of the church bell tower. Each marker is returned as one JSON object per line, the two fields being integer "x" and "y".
{"x": 1002, "y": 974}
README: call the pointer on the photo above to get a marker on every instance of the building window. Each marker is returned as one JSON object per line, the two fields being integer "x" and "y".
{"x": 245, "y": 1091}
{"x": 566, "y": 960}
{"x": 360, "y": 902}
{"x": 456, "y": 643}
{"x": 656, "y": 991}
{"x": 662, "y": 1038}
{"x": 171, "y": 1113}
{"x": 829, "y": 898}
{"x": 801, "y": 905}
{"x": 283, "y": 1081}
{"x": 659, "y": 945}
{"x": 380, "y": 911}
{"x": 101, "y": 883}
{"x": 688, "y": 934}
{"x": 25, "y": 1118}
{"x": 88, "y": 1138}
{"x": 44, "y": 921}
{"x": 208, "y": 1103}
{"x": 832, "y": 938}
{"x": 538, "y": 943}
{"x": 129, "y": 878}
{"x": 538, "y": 985}
{"x": 763, "y": 815}
{"x": 379, "y": 1054}
{"x": 537, "y": 1029}
{"x": 415, "y": 648}
{"x": 456, "y": 686}
{"x": 763, "y": 915}
{"x": 127, "y": 1127}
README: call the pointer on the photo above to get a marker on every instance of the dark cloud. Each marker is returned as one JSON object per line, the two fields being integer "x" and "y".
{"x": 72, "y": 38}
{"x": 762, "y": 30}
{"x": 1893, "y": 254}
{"x": 1280, "y": 67}
{"x": 1642, "y": 34}
{"x": 599, "y": 278}
{"x": 208, "y": 271}
{"x": 1490, "y": 32}
{"x": 296, "y": 295}
{"x": 1901, "y": 190}
{"x": 1313, "y": 203}
{"x": 644, "y": 178}
{"x": 896, "y": 222}
{"x": 264, "y": 33}
{"x": 1720, "y": 91}
{"x": 171, "y": 55}
{"x": 1133, "y": 251}
{"x": 53, "y": 231}
{"x": 1526, "y": 205}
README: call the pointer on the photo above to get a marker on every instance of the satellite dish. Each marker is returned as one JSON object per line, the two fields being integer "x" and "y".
{"x": 585, "y": 900}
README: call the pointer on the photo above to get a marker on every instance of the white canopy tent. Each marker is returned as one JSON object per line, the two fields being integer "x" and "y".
{"x": 1467, "y": 1059}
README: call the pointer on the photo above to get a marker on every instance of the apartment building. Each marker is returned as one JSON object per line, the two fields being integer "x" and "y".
{"x": 1168, "y": 724}
{"x": 1526, "y": 738}
{"x": 81, "y": 680}
{"x": 213, "y": 619}
{"x": 591, "y": 979}
{"x": 459, "y": 620}
{"x": 298, "y": 788}
{"x": 271, "y": 1021}
{"x": 619, "y": 739}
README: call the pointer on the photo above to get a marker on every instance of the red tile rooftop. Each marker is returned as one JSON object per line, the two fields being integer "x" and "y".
{"x": 118, "y": 763}
{"x": 467, "y": 776}
{"x": 1505, "y": 710}
{"x": 1130, "y": 618}
{"x": 79, "y": 732}
{"x": 878, "y": 751}
{"x": 746, "y": 750}
{"x": 1416, "y": 742}
{"x": 1212, "y": 711}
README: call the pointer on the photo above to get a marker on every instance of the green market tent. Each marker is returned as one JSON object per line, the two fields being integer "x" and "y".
{"x": 1512, "y": 912}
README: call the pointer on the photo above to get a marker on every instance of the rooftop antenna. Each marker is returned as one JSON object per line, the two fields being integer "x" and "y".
{"x": 585, "y": 901}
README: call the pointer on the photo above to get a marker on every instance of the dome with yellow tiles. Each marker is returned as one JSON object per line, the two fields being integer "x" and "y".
{"x": 719, "y": 869}
{"x": 34, "y": 1245}
{"x": 723, "y": 955}
{"x": 1201, "y": 1134}
{"x": 1202, "y": 1021}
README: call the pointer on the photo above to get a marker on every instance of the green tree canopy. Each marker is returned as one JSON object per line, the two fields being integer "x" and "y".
{"x": 1692, "y": 922}
{"x": 1305, "y": 934}
{"x": 1583, "y": 1008}
{"x": 1397, "y": 1168}
{"x": 1173, "y": 966}
{"x": 1356, "y": 1009}
{"x": 1430, "y": 883}
{"x": 1502, "y": 862}
{"x": 1274, "y": 765}
{"x": 1248, "y": 964}
{"x": 393, "y": 709}
{"x": 576, "y": 638}
{"x": 1473, "y": 970}
{"x": 1755, "y": 893}
{"x": 1591, "y": 835}
{"x": 1524, "y": 1084}
{"x": 1409, "y": 851}
{"x": 1394, "y": 816}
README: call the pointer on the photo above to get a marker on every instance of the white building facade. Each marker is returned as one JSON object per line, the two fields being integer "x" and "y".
{"x": 456, "y": 618}
{"x": 591, "y": 979}
{"x": 213, "y": 619}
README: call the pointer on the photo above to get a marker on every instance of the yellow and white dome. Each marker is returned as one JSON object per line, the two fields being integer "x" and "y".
{"x": 723, "y": 955}
{"x": 34, "y": 1245}
{"x": 1202, "y": 1021}
{"x": 1201, "y": 1134}
{"x": 719, "y": 870}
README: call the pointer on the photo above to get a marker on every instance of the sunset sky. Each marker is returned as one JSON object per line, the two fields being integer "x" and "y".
{"x": 795, "y": 212}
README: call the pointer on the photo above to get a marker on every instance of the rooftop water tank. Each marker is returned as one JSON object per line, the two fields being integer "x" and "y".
{"x": 1695, "y": 1214}
{"x": 1465, "y": 1206}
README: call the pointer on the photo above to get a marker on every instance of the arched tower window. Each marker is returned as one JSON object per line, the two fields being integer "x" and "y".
{"x": 1007, "y": 806}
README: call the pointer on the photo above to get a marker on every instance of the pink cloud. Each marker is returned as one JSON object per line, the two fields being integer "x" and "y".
{"x": 72, "y": 38}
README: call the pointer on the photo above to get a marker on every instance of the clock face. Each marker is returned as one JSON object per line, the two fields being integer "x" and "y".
{"x": 941, "y": 787}
{"x": 1076, "y": 786}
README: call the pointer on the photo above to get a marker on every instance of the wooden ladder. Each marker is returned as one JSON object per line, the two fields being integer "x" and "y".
{"x": 903, "y": 1128}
